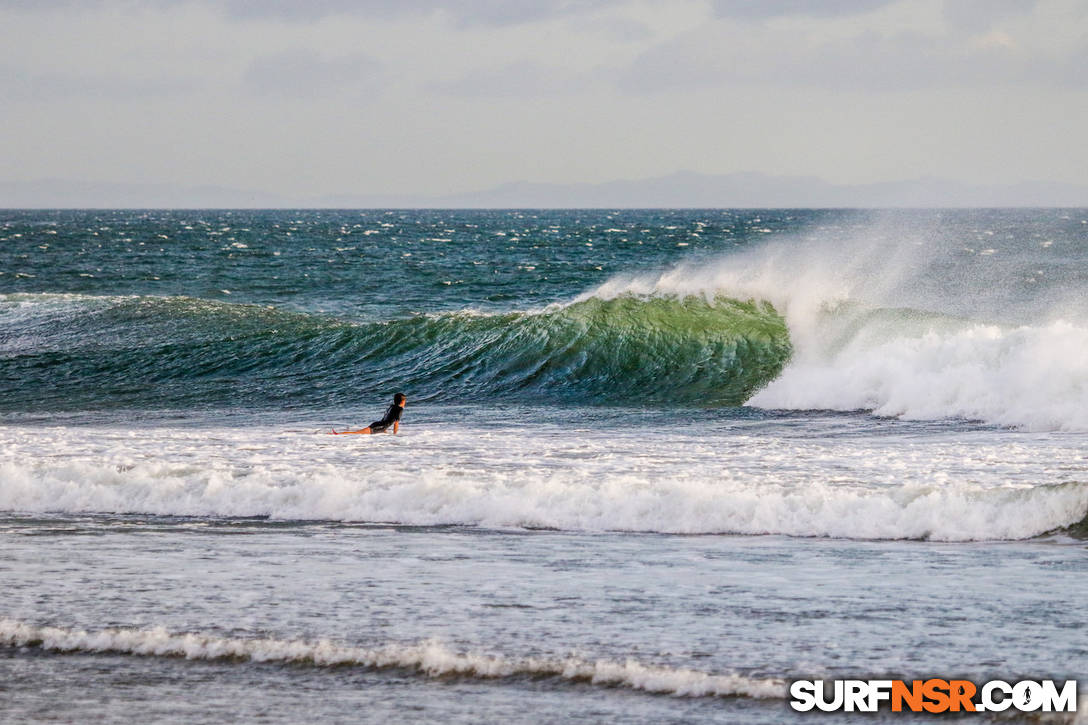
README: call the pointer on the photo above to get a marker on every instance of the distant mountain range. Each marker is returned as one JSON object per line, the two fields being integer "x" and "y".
{"x": 684, "y": 189}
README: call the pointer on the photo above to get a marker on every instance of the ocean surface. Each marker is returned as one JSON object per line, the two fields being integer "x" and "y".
{"x": 654, "y": 466}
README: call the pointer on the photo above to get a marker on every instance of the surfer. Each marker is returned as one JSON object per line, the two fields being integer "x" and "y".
{"x": 391, "y": 418}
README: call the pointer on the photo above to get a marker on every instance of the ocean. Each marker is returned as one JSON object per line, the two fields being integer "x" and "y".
{"x": 655, "y": 464}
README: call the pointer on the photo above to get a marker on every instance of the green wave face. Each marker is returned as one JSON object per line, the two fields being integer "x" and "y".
{"x": 621, "y": 350}
{"x": 166, "y": 352}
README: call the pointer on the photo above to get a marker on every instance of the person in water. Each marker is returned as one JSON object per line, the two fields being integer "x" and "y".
{"x": 392, "y": 418}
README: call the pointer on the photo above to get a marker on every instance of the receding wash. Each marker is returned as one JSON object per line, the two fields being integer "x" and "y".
{"x": 655, "y": 466}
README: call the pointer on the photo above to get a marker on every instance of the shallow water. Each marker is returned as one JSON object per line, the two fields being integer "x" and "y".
{"x": 499, "y": 617}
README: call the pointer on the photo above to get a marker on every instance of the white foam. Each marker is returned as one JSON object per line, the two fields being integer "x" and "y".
{"x": 430, "y": 658}
{"x": 982, "y": 487}
{"x": 1030, "y": 377}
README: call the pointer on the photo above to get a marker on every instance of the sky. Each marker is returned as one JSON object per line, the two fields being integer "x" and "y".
{"x": 430, "y": 97}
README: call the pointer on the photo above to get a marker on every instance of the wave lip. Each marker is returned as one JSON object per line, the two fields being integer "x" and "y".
{"x": 428, "y": 658}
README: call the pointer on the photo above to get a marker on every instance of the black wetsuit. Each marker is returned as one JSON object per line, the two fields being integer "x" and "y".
{"x": 391, "y": 416}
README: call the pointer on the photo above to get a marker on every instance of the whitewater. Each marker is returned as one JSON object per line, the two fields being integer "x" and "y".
{"x": 654, "y": 465}
{"x": 736, "y": 478}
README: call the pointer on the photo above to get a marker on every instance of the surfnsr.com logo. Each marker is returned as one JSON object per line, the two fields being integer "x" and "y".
{"x": 933, "y": 695}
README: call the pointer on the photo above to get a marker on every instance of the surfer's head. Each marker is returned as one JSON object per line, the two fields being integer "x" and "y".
{"x": 399, "y": 399}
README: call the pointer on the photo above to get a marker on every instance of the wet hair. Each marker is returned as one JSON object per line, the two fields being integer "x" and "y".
{"x": 398, "y": 398}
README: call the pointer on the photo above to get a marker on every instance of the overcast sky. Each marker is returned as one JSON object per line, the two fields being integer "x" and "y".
{"x": 423, "y": 96}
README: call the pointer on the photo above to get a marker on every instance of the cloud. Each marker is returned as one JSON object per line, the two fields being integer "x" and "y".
{"x": 614, "y": 27}
{"x": 975, "y": 15}
{"x": 723, "y": 54}
{"x": 516, "y": 80}
{"x": 764, "y": 9}
{"x": 303, "y": 73}
{"x": 980, "y": 15}
{"x": 477, "y": 12}
{"x": 463, "y": 12}
{"x": 22, "y": 85}
{"x": 467, "y": 94}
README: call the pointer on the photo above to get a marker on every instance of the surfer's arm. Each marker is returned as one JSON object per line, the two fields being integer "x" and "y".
{"x": 396, "y": 426}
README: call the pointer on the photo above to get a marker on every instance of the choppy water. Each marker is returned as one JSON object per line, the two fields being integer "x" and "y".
{"x": 655, "y": 464}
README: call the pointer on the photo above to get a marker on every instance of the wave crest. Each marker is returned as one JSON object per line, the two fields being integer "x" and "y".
{"x": 429, "y": 658}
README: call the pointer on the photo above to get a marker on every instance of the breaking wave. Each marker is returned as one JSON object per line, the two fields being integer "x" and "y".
{"x": 438, "y": 494}
{"x": 872, "y": 333}
{"x": 429, "y": 658}
{"x": 79, "y": 352}
{"x": 897, "y": 329}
